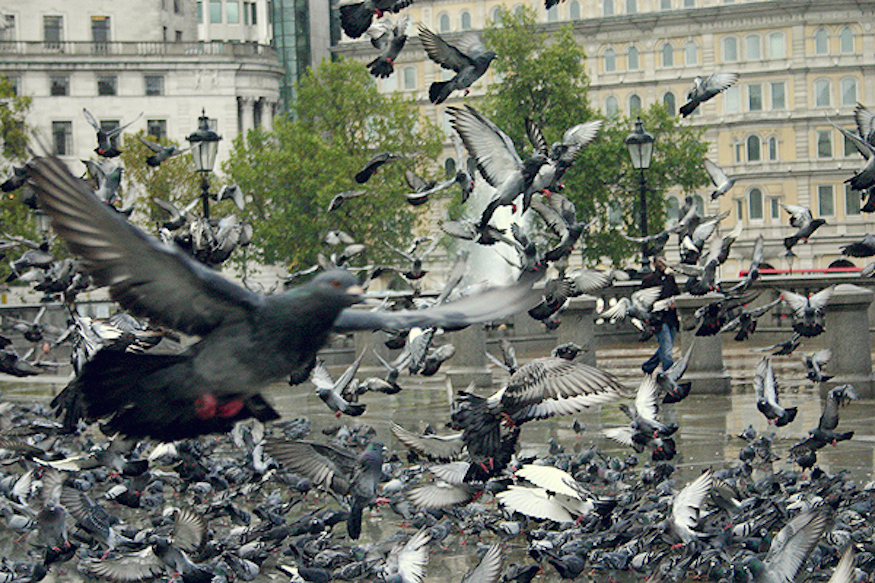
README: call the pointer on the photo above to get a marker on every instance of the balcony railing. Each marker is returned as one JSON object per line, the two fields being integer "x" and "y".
{"x": 121, "y": 49}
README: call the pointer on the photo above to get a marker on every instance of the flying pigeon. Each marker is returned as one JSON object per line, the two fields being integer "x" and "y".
{"x": 809, "y": 311}
{"x": 356, "y": 16}
{"x": 161, "y": 153}
{"x": 705, "y": 89}
{"x": 805, "y": 223}
{"x": 389, "y": 39}
{"x": 105, "y": 139}
{"x": 767, "y": 395}
{"x": 468, "y": 58}
{"x": 722, "y": 183}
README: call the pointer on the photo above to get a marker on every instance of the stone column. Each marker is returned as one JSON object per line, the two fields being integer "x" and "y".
{"x": 578, "y": 326}
{"x": 705, "y": 371}
{"x": 267, "y": 115}
{"x": 468, "y": 365}
{"x": 246, "y": 113}
{"x": 847, "y": 335}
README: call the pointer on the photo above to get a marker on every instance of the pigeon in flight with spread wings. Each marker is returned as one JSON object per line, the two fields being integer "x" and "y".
{"x": 389, "y": 39}
{"x": 705, "y": 89}
{"x": 247, "y": 340}
{"x": 469, "y": 58}
{"x": 161, "y": 153}
{"x": 809, "y": 311}
{"x": 356, "y": 16}
{"x": 722, "y": 183}
{"x": 105, "y": 138}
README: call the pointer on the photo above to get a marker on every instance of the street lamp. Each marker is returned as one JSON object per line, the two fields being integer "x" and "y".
{"x": 204, "y": 147}
{"x": 640, "y": 145}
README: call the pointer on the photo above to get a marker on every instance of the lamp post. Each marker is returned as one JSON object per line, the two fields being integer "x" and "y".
{"x": 43, "y": 224}
{"x": 640, "y": 145}
{"x": 204, "y": 147}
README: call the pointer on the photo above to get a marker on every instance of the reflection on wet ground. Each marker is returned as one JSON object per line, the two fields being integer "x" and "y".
{"x": 709, "y": 426}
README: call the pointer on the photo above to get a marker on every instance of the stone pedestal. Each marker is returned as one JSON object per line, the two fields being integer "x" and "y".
{"x": 847, "y": 335}
{"x": 468, "y": 364}
{"x": 705, "y": 371}
{"x": 578, "y": 326}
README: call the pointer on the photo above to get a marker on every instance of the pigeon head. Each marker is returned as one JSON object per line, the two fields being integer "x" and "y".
{"x": 339, "y": 285}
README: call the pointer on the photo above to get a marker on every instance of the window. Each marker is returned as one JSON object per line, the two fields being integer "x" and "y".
{"x": 634, "y": 104}
{"x": 178, "y": 36}
{"x": 825, "y": 202}
{"x": 668, "y": 100}
{"x": 730, "y": 49}
{"x": 672, "y": 209}
{"x": 665, "y": 4}
{"x": 612, "y": 106}
{"x": 465, "y": 20}
{"x": 849, "y": 91}
{"x": 246, "y": 13}
{"x": 755, "y": 97}
{"x": 444, "y": 22}
{"x": 739, "y": 151}
{"x": 846, "y": 40}
{"x": 753, "y": 149}
{"x": 608, "y": 7}
{"x": 553, "y": 13}
{"x": 53, "y": 32}
{"x": 632, "y": 59}
{"x": 700, "y": 204}
{"x": 232, "y": 11}
{"x": 409, "y": 77}
{"x": 200, "y": 12}
{"x": 852, "y": 201}
{"x": 615, "y": 213}
{"x": 691, "y": 53}
{"x": 667, "y": 55}
{"x": 449, "y": 168}
{"x": 253, "y": 9}
{"x": 107, "y": 85}
{"x": 496, "y": 15}
{"x": 177, "y": 6}
{"x": 62, "y": 138}
{"x": 824, "y": 143}
{"x": 777, "y": 46}
{"x": 821, "y": 42}
{"x": 821, "y": 93}
{"x": 752, "y": 47}
{"x": 739, "y": 209}
{"x": 775, "y": 208}
{"x": 215, "y": 11}
{"x": 631, "y": 6}
{"x": 755, "y": 204}
{"x": 773, "y": 148}
{"x": 390, "y": 83}
{"x": 574, "y": 10}
{"x": 731, "y": 100}
{"x": 7, "y": 31}
{"x": 689, "y": 3}
{"x": 100, "y": 33}
{"x": 59, "y": 85}
{"x": 779, "y": 99}
{"x": 610, "y": 60}
{"x": 157, "y": 128}
{"x": 154, "y": 85}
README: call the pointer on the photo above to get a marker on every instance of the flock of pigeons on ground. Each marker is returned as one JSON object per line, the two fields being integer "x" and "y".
{"x": 221, "y": 497}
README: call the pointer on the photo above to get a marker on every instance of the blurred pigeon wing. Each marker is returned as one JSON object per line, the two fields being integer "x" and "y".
{"x": 493, "y": 149}
{"x": 688, "y": 502}
{"x": 441, "y": 52}
{"x": 793, "y": 543}
{"x": 489, "y": 568}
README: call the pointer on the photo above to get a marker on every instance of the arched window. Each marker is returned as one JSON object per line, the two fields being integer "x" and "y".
{"x": 610, "y": 60}
{"x": 449, "y": 168}
{"x": 849, "y": 91}
{"x": 753, "y": 149}
{"x": 496, "y": 15}
{"x": 821, "y": 42}
{"x": 631, "y": 6}
{"x": 409, "y": 77}
{"x": 846, "y": 40}
{"x": 773, "y": 148}
{"x": 691, "y": 53}
{"x": 518, "y": 9}
{"x": 730, "y": 49}
{"x": 777, "y": 46}
{"x": 612, "y": 106}
{"x": 444, "y": 22}
{"x": 700, "y": 204}
{"x": 632, "y": 59}
{"x": 553, "y": 13}
{"x": 755, "y": 204}
{"x": 465, "y": 20}
{"x": 668, "y": 100}
{"x": 634, "y": 104}
{"x": 667, "y": 55}
{"x": 821, "y": 93}
{"x": 672, "y": 210}
{"x": 752, "y": 45}
{"x": 608, "y": 7}
{"x": 574, "y": 10}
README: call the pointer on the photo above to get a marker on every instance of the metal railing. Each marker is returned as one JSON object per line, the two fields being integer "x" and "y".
{"x": 120, "y": 48}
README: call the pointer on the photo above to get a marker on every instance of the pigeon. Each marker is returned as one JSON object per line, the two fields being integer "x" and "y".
{"x": 825, "y": 434}
{"x": 17, "y": 178}
{"x": 814, "y": 364}
{"x": 374, "y": 164}
{"x": 496, "y": 157}
{"x": 488, "y": 570}
{"x": 557, "y": 496}
{"x": 789, "y": 548}
{"x": 653, "y": 245}
{"x": 746, "y": 321}
{"x": 463, "y": 178}
{"x": 864, "y": 248}
{"x": 356, "y": 16}
{"x": 783, "y": 348}
{"x": 108, "y": 179}
{"x": 686, "y": 508}
{"x": 161, "y": 153}
{"x": 341, "y": 197}
{"x": 336, "y": 469}
{"x": 753, "y": 272}
{"x": 809, "y": 311}
{"x": 645, "y": 431}
{"x": 389, "y": 39}
{"x": 468, "y": 58}
{"x": 766, "y": 388}
{"x": 667, "y": 381}
{"x": 106, "y": 139}
{"x": 705, "y": 89}
{"x": 247, "y": 340}
{"x": 331, "y": 391}
{"x": 560, "y": 155}
{"x": 423, "y": 188}
{"x": 800, "y": 217}
{"x": 178, "y": 217}
{"x": 639, "y": 307}
{"x": 443, "y": 448}
{"x": 406, "y": 563}
{"x": 234, "y": 193}
{"x": 722, "y": 183}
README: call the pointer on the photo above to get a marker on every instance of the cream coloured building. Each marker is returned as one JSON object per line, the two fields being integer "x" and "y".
{"x": 800, "y": 64}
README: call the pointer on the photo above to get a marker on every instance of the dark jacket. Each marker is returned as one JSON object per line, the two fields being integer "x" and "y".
{"x": 669, "y": 288}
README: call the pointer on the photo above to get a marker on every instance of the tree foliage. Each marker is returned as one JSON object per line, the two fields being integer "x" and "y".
{"x": 15, "y": 218}
{"x": 341, "y": 120}
{"x": 543, "y": 77}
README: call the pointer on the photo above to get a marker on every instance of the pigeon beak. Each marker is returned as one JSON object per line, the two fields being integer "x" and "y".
{"x": 356, "y": 291}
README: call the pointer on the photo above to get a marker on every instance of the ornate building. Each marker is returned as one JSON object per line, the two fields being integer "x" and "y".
{"x": 801, "y": 64}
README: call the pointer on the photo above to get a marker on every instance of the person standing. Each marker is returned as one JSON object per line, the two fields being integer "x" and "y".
{"x": 665, "y": 323}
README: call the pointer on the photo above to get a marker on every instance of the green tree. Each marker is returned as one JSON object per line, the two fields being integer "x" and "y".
{"x": 15, "y": 218}
{"x": 292, "y": 173}
{"x": 543, "y": 77}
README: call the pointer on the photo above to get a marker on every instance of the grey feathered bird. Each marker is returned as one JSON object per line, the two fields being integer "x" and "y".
{"x": 864, "y": 248}
{"x": 705, "y": 88}
{"x": 468, "y": 58}
{"x": 161, "y": 153}
{"x": 814, "y": 364}
{"x": 722, "y": 183}
{"x": 805, "y": 223}
{"x": 789, "y": 548}
{"x": 331, "y": 391}
{"x": 809, "y": 311}
{"x": 766, "y": 388}
{"x": 560, "y": 155}
{"x": 356, "y": 16}
{"x": 389, "y": 39}
{"x": 106, "y": 138}
{"x": 247, "y": 340}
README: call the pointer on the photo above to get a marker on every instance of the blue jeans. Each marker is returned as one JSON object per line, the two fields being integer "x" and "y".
{"x": 665, "y": 336}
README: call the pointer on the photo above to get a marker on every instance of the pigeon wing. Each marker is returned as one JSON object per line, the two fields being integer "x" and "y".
{"x": 793, "y": 543}
{"x": 488, "y": 569}
{"x": 493, "y": 150}
{"x": 688, "y": 502}
{"x": 441, "y": 52}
